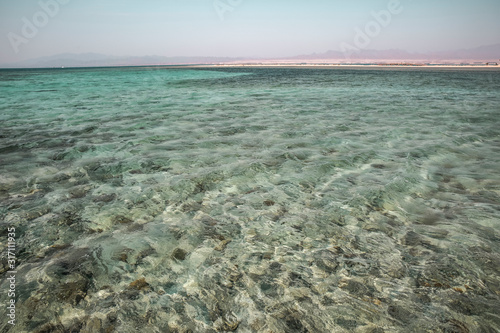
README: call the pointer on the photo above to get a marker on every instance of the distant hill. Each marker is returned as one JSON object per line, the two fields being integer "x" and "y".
{"x": 489, "y": 53}
{"x": 101, "y": 60}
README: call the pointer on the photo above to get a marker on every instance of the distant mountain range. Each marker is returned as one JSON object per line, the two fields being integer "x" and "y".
{"x": 101, "y": 60}
{"x": 490, "y": 53}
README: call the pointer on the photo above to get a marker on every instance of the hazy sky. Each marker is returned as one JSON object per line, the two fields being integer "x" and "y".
{"x": 259, "y": 28}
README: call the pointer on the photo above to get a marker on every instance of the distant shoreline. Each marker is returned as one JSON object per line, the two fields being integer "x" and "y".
{"x": 351, "y": 66}
{"x": 285, "y": 65}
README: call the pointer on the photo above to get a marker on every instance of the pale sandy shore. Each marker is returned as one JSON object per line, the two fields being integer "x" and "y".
{"x": 345, "y": 66}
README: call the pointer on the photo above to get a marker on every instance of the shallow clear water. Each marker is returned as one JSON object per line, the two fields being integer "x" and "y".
{"x": 252, "y": 200}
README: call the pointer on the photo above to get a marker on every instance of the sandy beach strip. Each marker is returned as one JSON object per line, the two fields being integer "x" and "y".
{"x": 351, "y": 66}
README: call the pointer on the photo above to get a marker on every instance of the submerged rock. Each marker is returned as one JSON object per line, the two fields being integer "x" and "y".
{"x": 399, "y": 313}
{"x": 79, "y": 192}
{"x": 122, "y": 219}
{"x": 413, "y": 239}
{"x": 179, "y": 254}
{"x": 75, "y": 261}
{"x": 378, "y": 166}
{"x": 73, "y": 292}
{"x": 294, "y": 325}
{"x": 122, "y": 255}
{"x": 347, "y": 323}
{"x": 93, "y": 325}
{"x": 139, "y": 284}
{"x": 228, "y": 323}
{"x": 222, "y": 245}
{"x": 36, "y": 212}
{"x": 326, "y": 260}
{"x": 357, "y": 288}
{"x": 454, "y": 326}
{"x": 139, "y": 258}
{"x": 441, "y": 274}
{"x": 105, "y": 198}
{"x": 50, "y": 328}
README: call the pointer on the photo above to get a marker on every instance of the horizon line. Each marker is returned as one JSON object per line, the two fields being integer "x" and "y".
{"x": 397, "y": 64}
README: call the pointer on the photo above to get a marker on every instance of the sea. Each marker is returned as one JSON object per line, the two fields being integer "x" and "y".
{"x": 248, "y": 199}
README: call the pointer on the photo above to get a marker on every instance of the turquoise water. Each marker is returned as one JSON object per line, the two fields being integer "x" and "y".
{"x": 251, "y": 199}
